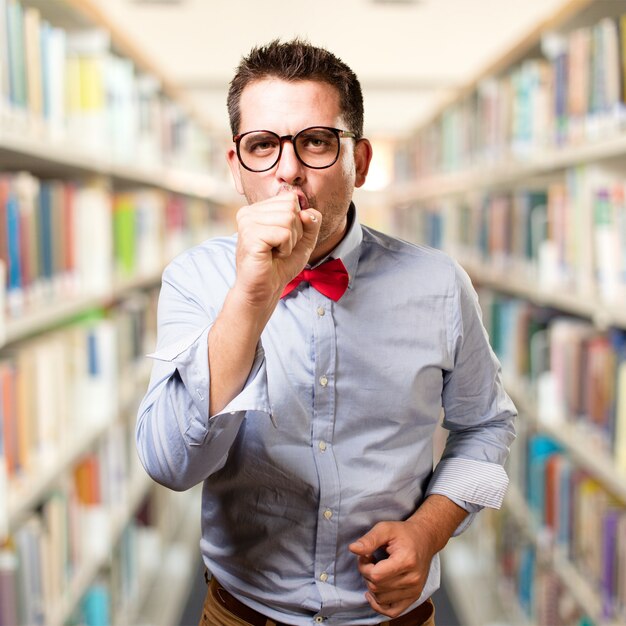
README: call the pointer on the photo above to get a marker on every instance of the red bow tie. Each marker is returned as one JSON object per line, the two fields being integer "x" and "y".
{"x": 330, "y": 279}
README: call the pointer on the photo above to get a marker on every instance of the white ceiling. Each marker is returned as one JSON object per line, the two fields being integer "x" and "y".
{"x": 407, "y": 55}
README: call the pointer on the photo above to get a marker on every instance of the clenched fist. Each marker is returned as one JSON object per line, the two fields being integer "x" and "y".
{"x": 275, "y": 240}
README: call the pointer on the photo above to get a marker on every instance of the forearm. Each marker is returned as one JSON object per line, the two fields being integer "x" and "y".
{"x": 437, "y": 519}
{"x": 275, "y": 240}
{"x": 232, "y": 344}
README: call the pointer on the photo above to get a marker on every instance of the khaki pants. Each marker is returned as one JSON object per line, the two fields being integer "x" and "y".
{"x": 214, "y": 614}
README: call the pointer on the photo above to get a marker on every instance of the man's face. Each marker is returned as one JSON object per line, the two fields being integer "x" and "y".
{"x": 286, "y": 108}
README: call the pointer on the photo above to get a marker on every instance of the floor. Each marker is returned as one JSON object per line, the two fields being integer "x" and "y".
{"x": 446, "y": 615}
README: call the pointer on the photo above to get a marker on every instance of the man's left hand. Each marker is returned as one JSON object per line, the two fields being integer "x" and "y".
{"x": 396, "y": 582}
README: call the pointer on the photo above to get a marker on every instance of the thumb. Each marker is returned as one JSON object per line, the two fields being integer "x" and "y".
{"x": 311, "y": 222}
{"x": 377, "y": 537}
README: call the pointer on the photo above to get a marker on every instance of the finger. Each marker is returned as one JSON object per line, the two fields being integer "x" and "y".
{"x": 378, "y": 537}
{"x": 365, "y": 565}
{"x": 281, "y": 220}
{"x": 275, "y": 238}
{"x": 390, "y": 610}
{"x": 392, "y": 567}
{"x": 283, "y": 197}
{"x": 394, "y": 596}
{"x": 311, "y": 222}
{"x": 275, "y": 215}
{"x": 278, "y": 218}
{"x": 377, "y": 583}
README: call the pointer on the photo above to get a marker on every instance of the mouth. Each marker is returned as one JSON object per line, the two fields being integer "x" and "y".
{"x": 303, "y": 201}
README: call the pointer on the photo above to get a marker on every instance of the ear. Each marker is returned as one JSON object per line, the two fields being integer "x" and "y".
{"x": 235, "y": 169}
{"x": 362, "y": 160}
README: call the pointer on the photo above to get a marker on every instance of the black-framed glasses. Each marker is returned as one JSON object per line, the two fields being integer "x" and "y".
{"x": 316, "y": 147}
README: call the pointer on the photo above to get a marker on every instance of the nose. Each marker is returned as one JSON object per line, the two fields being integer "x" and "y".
{"x": 289, "y": 168}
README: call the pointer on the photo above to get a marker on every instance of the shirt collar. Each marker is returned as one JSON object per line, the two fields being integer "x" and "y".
{"x": 348, "y": 248}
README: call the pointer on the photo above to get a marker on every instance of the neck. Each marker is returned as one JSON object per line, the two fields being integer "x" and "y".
{"x": 327, "y": 245}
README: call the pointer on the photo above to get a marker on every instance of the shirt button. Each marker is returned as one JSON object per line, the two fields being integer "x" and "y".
{"x": 328, "y": 513}
{"x": 323, "y": 381}
{"x": 323, "y": 577}
{"x": 322, "y": 446}
{"x": 321, "y": 311}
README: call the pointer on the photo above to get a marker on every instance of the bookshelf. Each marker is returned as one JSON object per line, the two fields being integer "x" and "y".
{"x": 576, "y": 439}
{"x": 520, "y": 177}
{"x": 58, "y": 158}
{"x": 97, "y": 193}
{"x": 459, "y": 563}
{"x": 568, "y": 574}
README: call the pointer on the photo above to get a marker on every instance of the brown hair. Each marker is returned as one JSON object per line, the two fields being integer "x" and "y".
{"x": 298, "y": 60}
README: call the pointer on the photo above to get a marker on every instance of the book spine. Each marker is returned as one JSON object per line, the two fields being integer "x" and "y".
{"x": 8, "y": 587}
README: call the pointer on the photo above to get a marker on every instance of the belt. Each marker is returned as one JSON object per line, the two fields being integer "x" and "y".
{"x": 418, "y": 616}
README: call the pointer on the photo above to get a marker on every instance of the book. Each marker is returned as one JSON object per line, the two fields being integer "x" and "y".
{"x": 4, "y": 472}
{"x": 15, "y": 300}
{"x": 16, "y": 58}
{"x": 8, "y": 586}
{"x": 610, "y": 525}
{"x": 87, "y": 53}
{"x": 53, "y": 61}
{"x": 32, "y": 61}
{"x": 28, "y": 539}
{"x": 95, "y": 605}
{"x": 4, "y": 60}
{"x": 9, "y": 424}
{"x": 606, "y": 246}
{"x": 620, "y": 419}
{"x": 579, "y": 43}
{"x": 93, "y": 250}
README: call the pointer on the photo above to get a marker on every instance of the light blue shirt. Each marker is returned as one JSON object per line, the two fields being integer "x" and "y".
{"x": 333, "y": 431}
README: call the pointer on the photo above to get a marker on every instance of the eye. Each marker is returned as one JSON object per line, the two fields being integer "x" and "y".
{"x": 260, "y": 144}
{"x": 317, "y": 140}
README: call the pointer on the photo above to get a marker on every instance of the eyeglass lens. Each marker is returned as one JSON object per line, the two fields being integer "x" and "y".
{"x": 315, "y": 147}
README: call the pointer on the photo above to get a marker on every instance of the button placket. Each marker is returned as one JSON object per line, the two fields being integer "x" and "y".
{"x": 324, "y": 354}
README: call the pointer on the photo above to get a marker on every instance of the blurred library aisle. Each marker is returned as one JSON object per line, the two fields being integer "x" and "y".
{"x": 499, "y": 137}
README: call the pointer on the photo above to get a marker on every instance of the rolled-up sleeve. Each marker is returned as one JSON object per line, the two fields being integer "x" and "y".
{"x": 478, "y": 413}
{"x": 178, "y": 443}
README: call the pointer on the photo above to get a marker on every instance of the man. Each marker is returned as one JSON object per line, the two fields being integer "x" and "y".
{"x": 307, "y": 402}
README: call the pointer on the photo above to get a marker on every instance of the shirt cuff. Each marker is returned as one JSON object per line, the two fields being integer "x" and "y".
{"x": 190, "y": 355}
{"x": 471, "y": 481}
{"x": 254, "y": 395}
